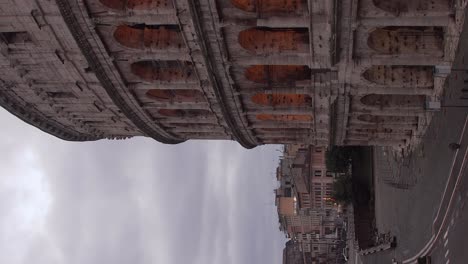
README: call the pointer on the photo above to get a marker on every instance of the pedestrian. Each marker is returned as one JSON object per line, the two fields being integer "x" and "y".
{"x": 454, "y": 146}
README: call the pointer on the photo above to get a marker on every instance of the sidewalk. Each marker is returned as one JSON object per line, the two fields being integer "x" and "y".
{"x": 354, "y": 257}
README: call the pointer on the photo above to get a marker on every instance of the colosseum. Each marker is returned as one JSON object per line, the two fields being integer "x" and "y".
{"x": 344, "y": 72}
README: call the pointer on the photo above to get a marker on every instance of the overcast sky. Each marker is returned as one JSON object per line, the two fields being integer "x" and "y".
{"x": 134, "y": 201}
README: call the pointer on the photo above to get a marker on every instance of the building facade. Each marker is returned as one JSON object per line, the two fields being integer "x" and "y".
{"x": 307, "y": 213}
{"x": 258, "y": 72}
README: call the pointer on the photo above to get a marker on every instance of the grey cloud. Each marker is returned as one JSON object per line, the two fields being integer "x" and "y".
{"x": 138, "y": 201}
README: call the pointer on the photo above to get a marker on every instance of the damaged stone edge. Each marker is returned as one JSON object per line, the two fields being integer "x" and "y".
{"x": 94, "y": 63}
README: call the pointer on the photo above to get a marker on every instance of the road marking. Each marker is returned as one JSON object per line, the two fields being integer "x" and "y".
{"x": 450, "y": 171}
{"x": 446, "y": 242}
{"x": 435, "y": 236}
{"x": 447, "y": 252}
{"x": 446, "y": 233}
{"x": 448, "y": 261}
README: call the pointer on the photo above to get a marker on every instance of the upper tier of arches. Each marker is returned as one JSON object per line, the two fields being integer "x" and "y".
{"x": 271, "y": 40}
{"x": 397, "y": 7}
{"x": 141, "y": 36}
{"x": 278, "y": 74}
{"x": 270, "y": 6}
{"x": 165, "y": 71}
{"x": 407, "y": 40}
{"x": 137, "y": 4}
{"x": 181, "y": 95}
{"x": 293, "y": 100}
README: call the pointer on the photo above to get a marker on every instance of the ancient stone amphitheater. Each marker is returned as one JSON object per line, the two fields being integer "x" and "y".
{"x": 346, "y": 72}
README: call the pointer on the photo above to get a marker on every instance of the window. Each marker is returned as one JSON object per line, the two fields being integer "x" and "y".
{"x": 329, "y": 174}
{"x": 61, "y": 95}
{"x": 317, "y": 173}
{"x": 318, "y": 150}
{"x": 15, "y": 37}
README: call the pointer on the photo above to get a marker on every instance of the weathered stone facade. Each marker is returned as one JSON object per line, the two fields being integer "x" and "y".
{"x": 348, "y": 72}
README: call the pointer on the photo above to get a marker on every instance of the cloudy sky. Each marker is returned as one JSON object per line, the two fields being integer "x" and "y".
{"x": 134, "y": 201}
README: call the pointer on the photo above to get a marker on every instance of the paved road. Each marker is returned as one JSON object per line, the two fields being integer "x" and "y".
{"x": 408, "y": 207}
{"x": 450, "y": 247}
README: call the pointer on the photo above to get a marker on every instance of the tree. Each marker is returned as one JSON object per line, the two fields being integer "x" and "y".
{"x": 343, "y": 189}
{"x": 338, "y": 159}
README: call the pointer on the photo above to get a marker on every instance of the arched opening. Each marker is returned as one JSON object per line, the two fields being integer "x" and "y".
{"x": 183, "y": 95}
{"x": 284, "y": 118}
{"x": 137, "y": 4}
{"x": 394, "y": 100}
{"x": 278, "y": 74}
{"x": 289, "y": 130}
{"x": 374, "y": 130}
{"x": 270, "y": 6}
{"x": 387, "y": 119}
{"x": 401, "y": 76}
{"x": 270, "y": 40}
{"x": 143, "y": 36}
{"x": 166, "y": 71}
{"x": 381, "y": 130}
{"x": 188, "y": 113}
{"x": 397, "y": 7}
{"x": 407, "y": 40}
{"x": 282, "y": 99}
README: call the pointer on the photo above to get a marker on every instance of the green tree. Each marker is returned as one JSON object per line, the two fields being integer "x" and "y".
{"x": 343, "y": 189}
{"x": 338, "y": 158}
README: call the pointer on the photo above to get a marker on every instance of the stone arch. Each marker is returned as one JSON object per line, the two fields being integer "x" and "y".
{"x": 278, "y": 74}
{"x": 394, "y": 100}
{"x": 187, "y": 113}
{"x": 284, "y": 118}
{"x": 141, "y": 36}
{"x": 387, "y": 119}
{"x": 137, "y": 4}
{"x": 269, "y": 6}
{"x": 407, "y": 40}
{"x": 401, "y": 76}
{"x": 270, "y": 40}
{"x": 282, "y": 99}
{"x": 374, "y": 130}
{"x": 182, "y": 95}
{"x": 283, "y": 130}
{"x": 397, "y": 7}
{"x": 166, "y": 71}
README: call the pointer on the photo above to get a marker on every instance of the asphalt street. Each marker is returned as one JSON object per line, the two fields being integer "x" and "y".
{"x": 450, "y": 247}
{"x": 413, "y": 193}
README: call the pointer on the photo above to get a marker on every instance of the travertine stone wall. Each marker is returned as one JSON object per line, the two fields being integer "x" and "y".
{"x": 258, "y": 72}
